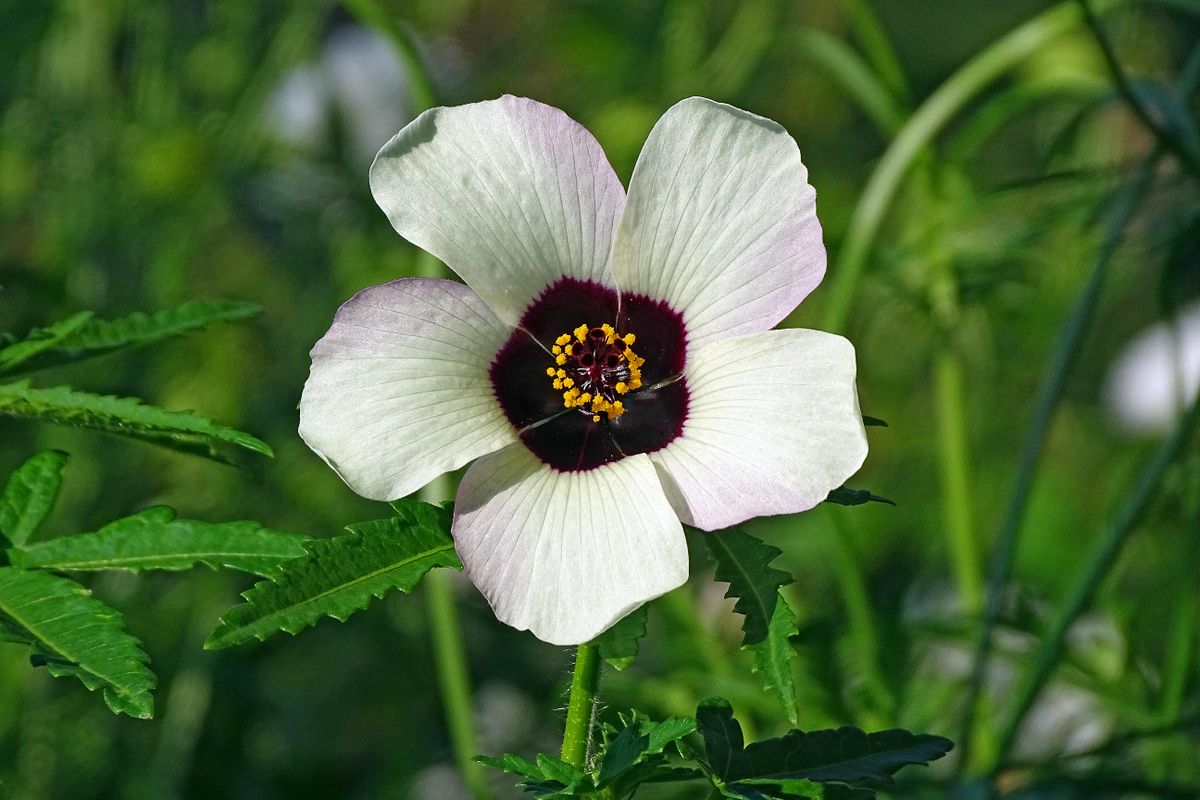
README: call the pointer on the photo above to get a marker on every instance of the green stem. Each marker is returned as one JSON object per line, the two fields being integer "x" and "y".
{"x": 1108, "y": 546}
{"x": 1010, "y": 51}
{"x": 581, "y": 707}
{"x": 956, "y": 486}
{"x": 1067, "y": 348}
{"x": 453, "y": 679}
{"x": 860, "y": 619}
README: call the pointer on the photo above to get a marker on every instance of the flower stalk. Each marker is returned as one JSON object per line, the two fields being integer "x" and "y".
{"x": 581, "y": 706}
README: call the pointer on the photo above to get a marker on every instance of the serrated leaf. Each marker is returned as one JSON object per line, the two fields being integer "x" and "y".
{"x": 30, "y": 494}
{"x": 745, "y": 564}
{"x": 845, "y": 496}
{"x": 76, "y": 635}
{"x": 774, "y": 656}
{"x": 341, "y": 575}
{"x": 619, "y": 644}
{"x": 88, "y": 337}
{"x": 124, "y": 416}
{"x": 40, "y": 340}
{"x": 845, "y": 755}
{"x": 548, "y": 778}
{"x": 635, "y": 754}
{"x": 156, "y": 539}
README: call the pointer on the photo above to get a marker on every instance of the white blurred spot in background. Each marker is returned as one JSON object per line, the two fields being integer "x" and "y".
{"x": 357, "y": 82}
{"x": 1157, "y": 375}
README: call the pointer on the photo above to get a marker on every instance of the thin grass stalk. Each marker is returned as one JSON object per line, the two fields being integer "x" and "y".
{"x": 1108, "y": 547}
{"x": 1187, "y": 155}
{"x": 1070, "y": 340}
{"x": 874, "y": 40}
{"x": 943, "y": 105}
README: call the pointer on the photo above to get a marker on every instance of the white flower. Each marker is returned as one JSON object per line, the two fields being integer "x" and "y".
{"x": 1156, "y": 377}
{"x": 609, "y": 365}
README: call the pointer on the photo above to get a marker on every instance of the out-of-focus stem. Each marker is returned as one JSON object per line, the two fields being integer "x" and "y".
{"x": 581, "y": 707}
{"x": 454, "y": 680}
{"x": 1108, "y": 546}
{"x": 956, "y": 486}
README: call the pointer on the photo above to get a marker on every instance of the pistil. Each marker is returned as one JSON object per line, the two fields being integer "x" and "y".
{"x": 593, "y": 368}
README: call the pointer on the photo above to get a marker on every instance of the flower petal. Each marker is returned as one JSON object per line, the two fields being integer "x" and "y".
{"x": 720, "y": 222}
{"x": 566, "y": 554}
{"x": 399, "y": 390}
{"x": 773, "y": 426}
{"x": 510, "y": 193}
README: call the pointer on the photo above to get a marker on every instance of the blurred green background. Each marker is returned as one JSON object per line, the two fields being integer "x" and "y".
{"x": 154, "y": 152}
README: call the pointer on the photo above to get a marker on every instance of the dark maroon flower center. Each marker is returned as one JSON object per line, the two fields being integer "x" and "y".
{"x": 588, "y": 378}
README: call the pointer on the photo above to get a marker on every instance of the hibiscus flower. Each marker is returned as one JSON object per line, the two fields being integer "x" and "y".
{"x": 609, "y": 365}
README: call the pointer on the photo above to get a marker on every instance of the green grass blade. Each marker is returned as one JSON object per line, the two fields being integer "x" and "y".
{"x": 96, "y": 337}
{"x": 926, "y": 123}
{"x": 124, "y": 416}
{"x": 1101, "y": 560}
{"x": 340, "y": 576}
{"x": 30, "y": 494}
{"x": 74, "y": 634}
{"x": 853, "y": 75}
{"x": 155, "y": 539}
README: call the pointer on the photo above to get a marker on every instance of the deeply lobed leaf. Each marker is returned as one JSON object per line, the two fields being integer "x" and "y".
{"x": 744, "y": 562}
{"x": 30, "y": 494}
{"x": 774, "y": 657}
{"x": 339, "y": 576}
{"x": 125, "y": 416}
{"x": 81, "y": 336}
{"x": 156, "y": 539}
{"x": 844, "y": 755}
{"x": 74, "y": 634}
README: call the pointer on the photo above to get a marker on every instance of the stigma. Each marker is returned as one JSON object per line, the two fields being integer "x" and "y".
{"x": 594, "y": 368}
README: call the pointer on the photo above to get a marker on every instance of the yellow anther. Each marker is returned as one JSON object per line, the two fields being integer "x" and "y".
{"x": 556, "y": 349}
{"x": 557, "y": 384}
{"x": 585, "y": 397}
{"x": 561, "y": 373}
{"x": 629, "y": 338}
{"x": 566, "y": 337}
{"x": 581, "y": 332}
{"x": 550, "y": 371}
{"x": 595, "y": 417}
{"x": 567, "y": 382}
{"x": 560, "y": 359}
{"x": 622, "y": 387}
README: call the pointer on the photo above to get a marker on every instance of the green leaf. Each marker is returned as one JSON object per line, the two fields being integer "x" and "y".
{"x": 619, "y": 644}
{"x": 340, "y": 576}
{"x": 801, "y": 789}
{"x": 548, "y": 778}
{"x": 744, "y": 563}
{"x": 155, "y": 539}
{"x": 82, "y": 337}
{"x": 74, "y": 634}
{"x": 125, "y": 416}
{"x": 774, "y": 656}
{"x": 40, "y": 340}
{"x": 844, "y": 755}
{"x": 874, "y": 422}
{"x": 30, "y": 494}
{"x": 845, "y": 496}
{"x": 635, "y": 754}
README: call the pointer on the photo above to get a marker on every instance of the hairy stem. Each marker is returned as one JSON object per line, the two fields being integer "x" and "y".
{"x": 581, "y": 707}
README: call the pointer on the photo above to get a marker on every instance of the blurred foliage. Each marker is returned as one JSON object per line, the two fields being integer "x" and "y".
{"x": 155, "y": 153}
